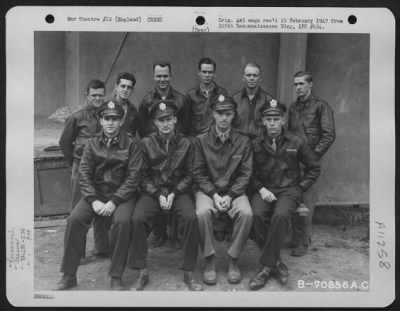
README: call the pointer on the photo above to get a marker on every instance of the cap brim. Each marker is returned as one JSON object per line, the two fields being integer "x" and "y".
{"x": 163, "y": 114}
{"x": 273, "y": 112}
{"x": 224, "y": 107}
{"x": 111, "y": 114}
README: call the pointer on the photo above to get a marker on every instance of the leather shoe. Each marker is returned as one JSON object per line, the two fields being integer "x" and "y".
{"x": 93, "y": 256}
{"x": 116, "y": 283}
{"x": 281, "y": 273}
{"x": 299, "y": 251}
{"x": 260, "y": 279}
{"x": 176, "y": 243}
{"x": 210, "y": 274}
{"x": 67, "y": 281}
{"x": 190, "y": 282}
{"x": 234, "y": 275}
{"x": 219, "y": 235}
{"x": 292, "y": 244}
{"x": 158, "y": 240}
{"x": 143, "y": 280}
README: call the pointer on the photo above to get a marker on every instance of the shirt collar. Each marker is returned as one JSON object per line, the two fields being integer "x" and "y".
{"x": 223, "y": 136}
{"x": 114, "y": 140}
{"x": 268, "y": 140}
{"x": 204, "y": 90}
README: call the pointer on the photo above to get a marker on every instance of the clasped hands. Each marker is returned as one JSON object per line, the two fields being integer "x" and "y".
{"x": 221, "y": 203}
{"x": 103, "y": 209}
{"x": 166, "y": 201}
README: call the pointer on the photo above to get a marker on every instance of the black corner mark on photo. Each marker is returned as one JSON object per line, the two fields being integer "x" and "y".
{"x": 352, "y": 19}
{"x": 200, "y": 20}
{"x": 49, "y": 19}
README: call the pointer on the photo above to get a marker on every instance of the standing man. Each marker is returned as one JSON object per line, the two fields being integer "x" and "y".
{"x": 222, "y": 170}
{"x": 123, "y": 89}
{"x": 311, "y": 118}
{"x": 110, "y": 176}
{"x": 162, "y": 73}
{"x": 249, "y": 101}
{"x": 167, "y": 179}
{"x": 78, "y": 129}
{"x": 278, "y": 183}
{"x": 198, "y": 99}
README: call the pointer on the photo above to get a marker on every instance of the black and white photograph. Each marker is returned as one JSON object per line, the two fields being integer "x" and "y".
{"x": 232, "y": 152}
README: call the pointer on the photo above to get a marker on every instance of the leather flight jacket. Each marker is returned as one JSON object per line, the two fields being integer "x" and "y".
{"x": 223, "y": 168}
{"x": 292, "y": 164}
{"x": 199, "y": 113}
{"x": 166, "y": 172}
{"x": 79, "y": 128}
{"x": 111, "y": 172}
{"x": 314, "y": 120}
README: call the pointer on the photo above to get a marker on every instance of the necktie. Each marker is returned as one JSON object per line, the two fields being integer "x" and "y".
{"x": 273, "y": 144}
{"x": 166, "y": 145}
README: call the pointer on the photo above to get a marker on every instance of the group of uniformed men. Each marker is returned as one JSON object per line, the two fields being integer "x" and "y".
{"x": 202, "y": 156}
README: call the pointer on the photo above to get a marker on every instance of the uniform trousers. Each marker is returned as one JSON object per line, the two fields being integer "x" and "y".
{"x": 78, "y": 224}
{"x": 271, "y": 237}
{"x": 100, "y": 231}
{"x": 302, "y": 226}
{"x": 241, "y": 215}
{"x": 143, "y": 220}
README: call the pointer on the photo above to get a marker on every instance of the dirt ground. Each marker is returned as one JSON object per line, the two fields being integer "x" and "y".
{"x": 335, "y": 255}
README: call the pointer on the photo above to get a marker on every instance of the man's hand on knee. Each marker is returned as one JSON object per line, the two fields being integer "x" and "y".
{"x": 163, "y": 202}
{"x": 170, "y": 200}
{"x": 267, "y": 195}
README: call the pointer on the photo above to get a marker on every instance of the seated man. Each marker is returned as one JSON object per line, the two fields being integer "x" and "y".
{"x": 278, "y": 185}
{"x": 222, "y": 170}
{"x": 110, "y": 176}
{"x": 167, "y": 179}
{"x": 79, "y": 128}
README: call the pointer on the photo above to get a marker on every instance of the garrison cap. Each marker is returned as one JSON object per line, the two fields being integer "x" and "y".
{"x": 272, "y": 108}
{"x": 163, "y": 108}
{"x": 222, "y": 102}
{"x": 111, "y": 108}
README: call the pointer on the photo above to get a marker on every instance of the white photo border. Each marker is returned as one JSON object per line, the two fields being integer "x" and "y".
{"x": 22, "y": 22}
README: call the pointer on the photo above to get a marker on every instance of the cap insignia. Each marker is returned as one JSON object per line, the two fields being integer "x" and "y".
{"x": 221, "y": 98}
{"x": 111, "y": 105}
{"x": 162, "y": 106}
{"x": 273, "y": 103}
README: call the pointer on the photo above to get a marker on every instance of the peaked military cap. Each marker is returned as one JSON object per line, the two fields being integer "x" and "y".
{"x": 111, "y": 108}
{"x": 222, "y": 102}
{"x": 272, "y": 108}
{"x": 163, "y": 108}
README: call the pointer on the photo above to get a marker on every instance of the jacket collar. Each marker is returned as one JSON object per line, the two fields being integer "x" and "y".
{"x": 161, "y": 140}
{"x": 123, "y": 102}
{"x": 119, "y": 139}
{"x": 300, "y": 104}
{"x": 256, "y": 94}
{"x": 156, "y": 94}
